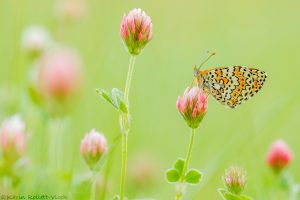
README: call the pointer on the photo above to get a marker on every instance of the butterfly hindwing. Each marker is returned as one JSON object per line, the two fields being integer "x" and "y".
{"x": 233, "y": 85}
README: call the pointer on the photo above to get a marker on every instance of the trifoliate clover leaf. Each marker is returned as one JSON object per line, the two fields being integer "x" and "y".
{"x": 179, "y": 165}
{"x": 193, "y": 176}
{"x": 116, "y": 99}
{"x": 172, "y": 175}
{"x": 107, "y": 97}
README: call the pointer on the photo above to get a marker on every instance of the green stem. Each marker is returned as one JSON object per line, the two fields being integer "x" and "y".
{"x": 188, "y": 157}
{"x": 180, "y": 190}
{"x": 128, "y": 79}
{"x": 94, "y": 186}
{"x": 124, "y": 123}
{"x": 124, "y": 163}
{"x": 181, "y": 186}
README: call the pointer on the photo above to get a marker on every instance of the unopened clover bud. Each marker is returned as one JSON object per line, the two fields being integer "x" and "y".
{"x": 192, "y": 106}
{"x": 279, "y": 156}
{"x": 93, "y": 147}
{"x": 12, "y": 138}
{"x": 235, "y": 180}
{"x": 136, "y": 30}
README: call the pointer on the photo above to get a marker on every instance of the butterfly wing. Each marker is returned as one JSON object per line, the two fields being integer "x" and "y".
{"x": 231, "y": 86}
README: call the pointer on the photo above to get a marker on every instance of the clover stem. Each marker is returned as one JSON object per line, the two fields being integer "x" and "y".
{"x": 181, "y": 186}
{"x": 125, "y": 123}
{"x": 188, "y": 157}
{"x": 128, "y": 79}
{"x": 94, "y": 185}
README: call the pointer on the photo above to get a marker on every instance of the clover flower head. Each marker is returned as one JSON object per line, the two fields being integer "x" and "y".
{"x": 235, "y": 180}
{"x": 59, "y": 73}
{"x": 279, "y": 156}
{"x": 192, "y": 106}
{"x": 93, "y": 147}
{"x": 12, "y": 138}
{"x": 136, "y": 30}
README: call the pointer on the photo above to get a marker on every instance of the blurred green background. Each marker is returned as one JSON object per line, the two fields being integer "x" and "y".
{"x": 262, "y": 34}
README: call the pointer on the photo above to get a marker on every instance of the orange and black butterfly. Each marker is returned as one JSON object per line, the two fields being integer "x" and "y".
{"x": 230, "y": 86}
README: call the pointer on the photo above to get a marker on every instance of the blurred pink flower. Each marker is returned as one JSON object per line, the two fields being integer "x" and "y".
{"x": 279, "y": 155}
{"x": 59, "y": 73}
{"x": 71, "y": 10}
{"x": 35, "y": 40}
{"x": 192, "y": 106}
{"x": 136, "y": 30}
{"x": 235, "y": 180}
{"x": 93, "y": 147}
{"x": 12, "y": 138}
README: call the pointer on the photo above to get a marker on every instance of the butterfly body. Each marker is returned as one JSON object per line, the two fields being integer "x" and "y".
{"x": 231, "y": 85}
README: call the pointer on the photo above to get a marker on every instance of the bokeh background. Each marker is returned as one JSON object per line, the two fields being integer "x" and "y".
{"x": 262, "y": 34}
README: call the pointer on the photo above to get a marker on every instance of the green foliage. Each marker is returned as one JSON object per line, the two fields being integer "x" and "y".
{"x": 230, "y": 196}
{"x": 193, "y": 176}
{"x": 116, "y": 99}
{"x": 179, "y": 165}
{"x": 172, "y": 175}
{"x": 175, "y": 174}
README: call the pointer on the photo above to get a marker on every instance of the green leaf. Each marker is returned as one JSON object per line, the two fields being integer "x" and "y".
{"x": 118, "y": 96}
{"x": 193, "y": 176}
{"x": 117, "y": 93}
{"x": 116, "y": 99}
{"x": 172, "y": 175}
{"x": 106, "y": 96}
{"x": 122, "y": 106}
{"x": 179, "y": 164}
{"x": 226, "y": 195}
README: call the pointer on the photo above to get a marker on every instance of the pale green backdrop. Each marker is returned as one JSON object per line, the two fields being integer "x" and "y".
{"x": 262, "y": 34}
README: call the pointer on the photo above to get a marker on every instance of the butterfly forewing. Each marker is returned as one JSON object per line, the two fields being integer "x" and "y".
{"x": 233, "y": 85}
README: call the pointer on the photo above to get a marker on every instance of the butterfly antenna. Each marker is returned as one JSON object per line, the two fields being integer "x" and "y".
{"x": 211, "y": 55}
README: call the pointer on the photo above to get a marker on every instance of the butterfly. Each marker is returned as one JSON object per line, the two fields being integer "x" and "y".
{"x": 231, "y": 86}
